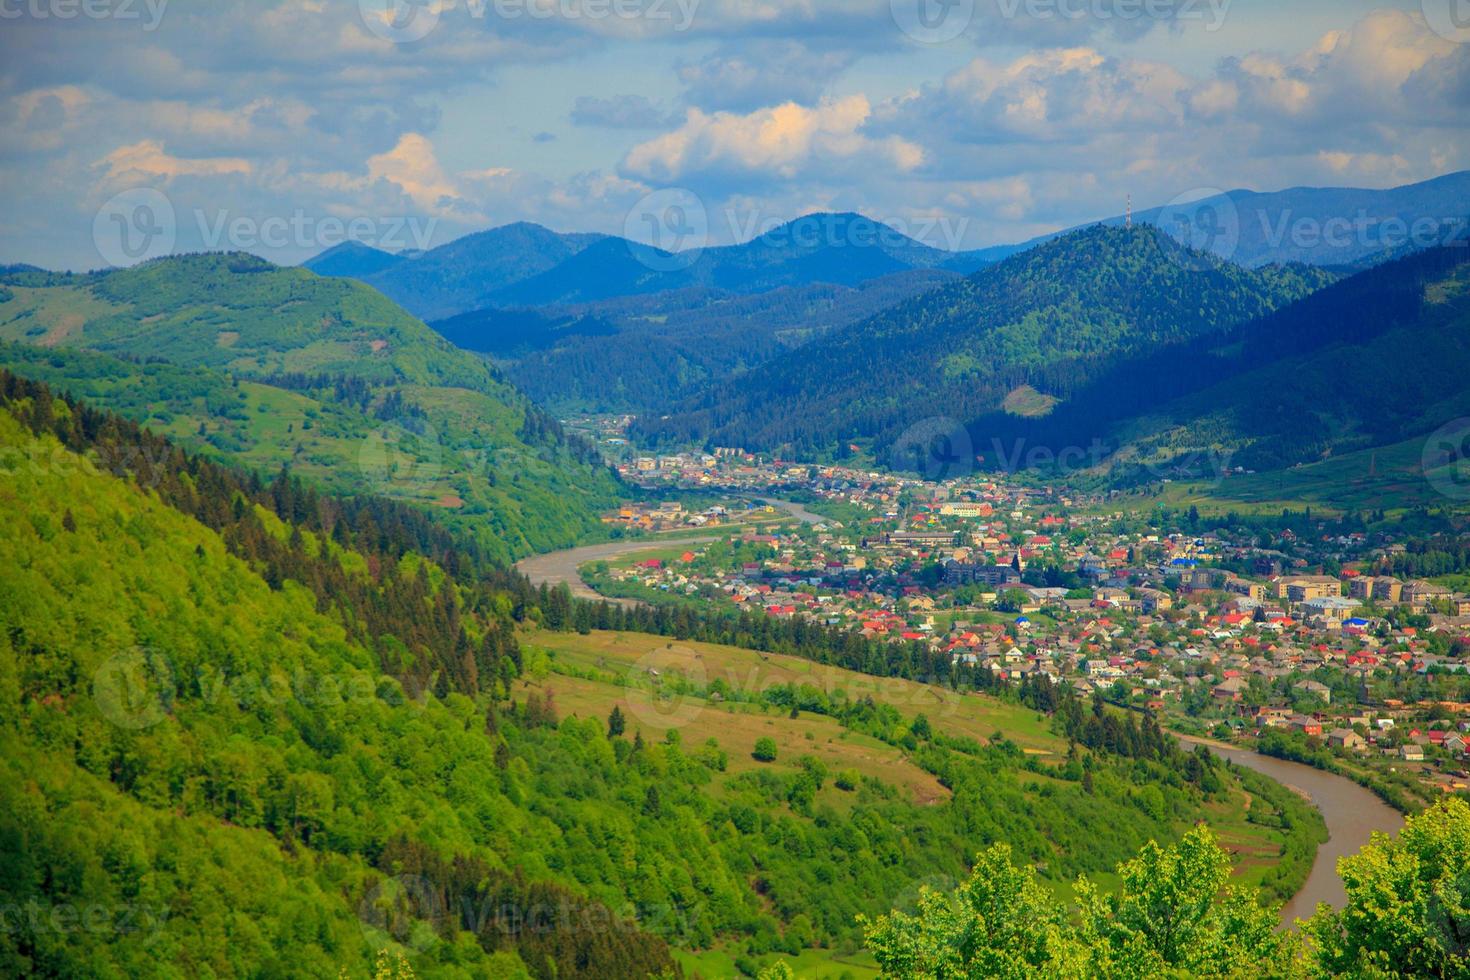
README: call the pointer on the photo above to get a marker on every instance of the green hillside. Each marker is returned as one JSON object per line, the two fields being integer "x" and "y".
{"x": 281, "y": 367}
{"x": 311, "y": 723}
{"x": 1054, "y": 318}
{"x": 1369, "y": 362}
{"x": 1328, "y": 400}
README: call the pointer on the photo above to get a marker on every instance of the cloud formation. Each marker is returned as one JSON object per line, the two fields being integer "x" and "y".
{"x": 1027, "y": 122}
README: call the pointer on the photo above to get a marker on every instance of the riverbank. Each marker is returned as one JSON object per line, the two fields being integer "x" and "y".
{"x": 1351, "y": 812}
{"x": 564, "y": 567}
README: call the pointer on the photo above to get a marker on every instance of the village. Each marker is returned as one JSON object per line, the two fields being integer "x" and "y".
{"x": 1296, "y": 629}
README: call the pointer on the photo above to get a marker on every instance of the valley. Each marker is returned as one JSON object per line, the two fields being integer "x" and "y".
{"x": 743, "y": 613}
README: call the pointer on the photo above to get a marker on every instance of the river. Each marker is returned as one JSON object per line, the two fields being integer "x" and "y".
{"x": 1351, "y": 812}
{"x": 560, "y": 567}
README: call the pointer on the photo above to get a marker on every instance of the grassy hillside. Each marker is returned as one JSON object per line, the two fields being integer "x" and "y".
{"x": 306, "y": 733}
{"x": 1054, "y": 319}
{"x": 282, "y": 367}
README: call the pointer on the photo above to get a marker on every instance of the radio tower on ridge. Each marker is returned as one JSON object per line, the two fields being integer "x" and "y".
{"x": 1128, "y": 219}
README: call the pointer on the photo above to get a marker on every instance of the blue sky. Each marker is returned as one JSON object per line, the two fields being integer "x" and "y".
{"x": 281, "y": 126}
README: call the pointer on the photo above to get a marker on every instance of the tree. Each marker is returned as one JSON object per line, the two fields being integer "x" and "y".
{"x": 1000, "y": 923}
{"x": 1171, "y": 916}
{"x": 1408, "y": 902}
{"x": 765, "y": 749}
{"x": 616, "y": 723}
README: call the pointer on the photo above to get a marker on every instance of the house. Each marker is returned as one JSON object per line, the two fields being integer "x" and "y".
{"x": 1411, "y": 752}
{"x": 1301, "y": 588}
{"x": 1315, "y": 690}
{"x": 1329, "y": 609}
{"x": 1307, "y": 725}
{"x": 1229, "y": 690}
{"x": 1345, "y": 738}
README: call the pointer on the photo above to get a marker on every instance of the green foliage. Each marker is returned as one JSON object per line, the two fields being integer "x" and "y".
{"x": 1408, "y": 904}
{"x": 1172, "y": 914}
{"x": 1168, "y": 917}
{"x": 765, "y": 749}
{"x": 270, "y": 366}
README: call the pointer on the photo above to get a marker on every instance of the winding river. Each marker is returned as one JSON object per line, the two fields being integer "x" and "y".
{"x": 563, "y": 566}
{"x": 1351, "y": 812}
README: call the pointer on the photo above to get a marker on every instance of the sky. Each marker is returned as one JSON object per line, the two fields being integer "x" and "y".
{"x": 129, "y": 128}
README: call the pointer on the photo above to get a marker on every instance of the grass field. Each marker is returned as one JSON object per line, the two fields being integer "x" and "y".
{"x": 591, "y": 674}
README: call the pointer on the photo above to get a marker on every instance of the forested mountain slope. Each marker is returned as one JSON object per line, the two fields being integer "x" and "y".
{"x": 282, "y": 367}
{"x": 1050, "y": 320}
{"x": 308, "y": 724}
{"x": 646, "y": 354}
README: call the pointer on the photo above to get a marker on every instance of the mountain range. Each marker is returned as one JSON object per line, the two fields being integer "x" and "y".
{"x": 598, "y": 323}
{"x": 1017, "y": 337}
{"x": 1140, "y": 358}
{"x": 1328, "y": 226}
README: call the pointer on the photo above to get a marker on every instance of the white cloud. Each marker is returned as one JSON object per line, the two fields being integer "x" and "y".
{"x": 147, "y": 162}
{"x": 779, "y": 142}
